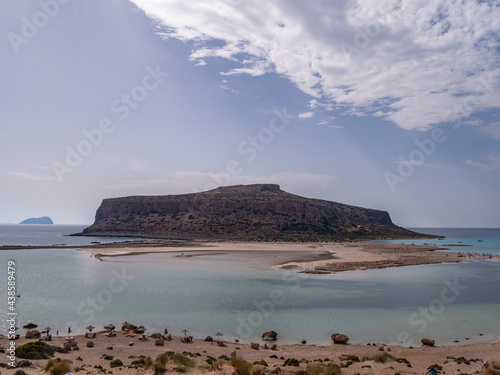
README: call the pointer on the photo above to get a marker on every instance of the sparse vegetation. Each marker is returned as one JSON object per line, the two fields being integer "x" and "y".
{"x": 241, "y": 366}
{"x": 35, "y": 350}
{"x": 291, "y": 362}
{"x": 116, "y": 363}
{"x": 59, "y": 368}
{"x": 320, "y": 369}
{"x": 380, "y": 358}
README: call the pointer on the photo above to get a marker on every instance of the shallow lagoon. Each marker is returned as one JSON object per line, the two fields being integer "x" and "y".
{"x": 240, "y": 295}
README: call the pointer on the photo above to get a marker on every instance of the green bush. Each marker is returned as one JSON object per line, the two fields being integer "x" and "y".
{"x": 291, "y": 362}
{"x": 181, "y": 360}
{"x": 403, "y": 360}
{"x": 159, "y": 368}
{"x": 35, "y": 350}
{"x": 116, "y": 363}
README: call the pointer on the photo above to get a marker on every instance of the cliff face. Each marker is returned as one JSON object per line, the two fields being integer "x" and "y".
{"x": 243, "y": 212}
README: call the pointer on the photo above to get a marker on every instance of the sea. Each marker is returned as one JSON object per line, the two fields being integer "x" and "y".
{"x": 240, "y": 295}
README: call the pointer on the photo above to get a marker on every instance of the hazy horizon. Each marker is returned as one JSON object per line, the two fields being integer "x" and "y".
{"x": 390, "y": 105}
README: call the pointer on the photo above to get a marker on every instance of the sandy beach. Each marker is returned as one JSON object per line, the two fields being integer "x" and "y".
{"x": 321, "y": 257}
{"x": 86, "y": 359}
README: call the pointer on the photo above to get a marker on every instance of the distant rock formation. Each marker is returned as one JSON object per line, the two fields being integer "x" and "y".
{"x": 38, "y": 220}
{"x": 243, "y": 213}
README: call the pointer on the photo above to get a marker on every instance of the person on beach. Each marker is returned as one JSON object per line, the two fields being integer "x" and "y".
{"x": 69, "y": 330}
{"x": 485, "y": 365}
{"x": 432, "y": 371}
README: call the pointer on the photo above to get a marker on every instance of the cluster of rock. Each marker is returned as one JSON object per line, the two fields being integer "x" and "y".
{"x": 133, "y": 328}
{"x": 71, "y": 344}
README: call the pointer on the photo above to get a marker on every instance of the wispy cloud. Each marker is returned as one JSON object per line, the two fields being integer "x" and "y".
{"x": 306, "y": 115}
{"x": 194, "y": 181}
{"x": 492, "y": 164}
{"x": 30, "y": 176}
{"x": 413, "y": 63}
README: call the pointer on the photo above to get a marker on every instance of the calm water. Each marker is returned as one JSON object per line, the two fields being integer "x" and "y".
{"x": 46, "y": 235}
{"x": 240, "y": 295}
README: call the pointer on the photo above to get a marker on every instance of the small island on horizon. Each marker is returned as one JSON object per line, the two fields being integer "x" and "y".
{"x": 38, "y": 220}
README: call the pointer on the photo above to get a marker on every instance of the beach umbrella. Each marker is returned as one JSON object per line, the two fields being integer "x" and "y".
{"x": 185, "y": 331}
{"x": 218, "y": 334}
{"x": 109, "y": 327}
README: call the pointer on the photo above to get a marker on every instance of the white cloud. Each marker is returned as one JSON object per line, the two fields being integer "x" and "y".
{"x": 492, "y": 164}
{"x": 186, "y": 181}
{"x": 413, "y": 63}
{"x": 306, "y": 115}
{"x": 31, "y": 176}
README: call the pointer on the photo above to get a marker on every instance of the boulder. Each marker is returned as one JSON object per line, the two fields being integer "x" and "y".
{"x": 255, "y": 345}
{"x": 90, "y": 344}
{"x": 339, "y": 338}
{"x": 304, "y": 341}
{"x": 73, "y": 344}
{"x": 67, "y": 346}
{"x": 139, "y": 330}
{"x": 34, "y": 334}
{"x": 156, "y": 335}
{"x": 76, "y": 347}
{"x": 128, "y": 326}
{"x": 209, "y": 338}
{"x": 381, "y": 348}
{"x": 343, "y": 357}
{"x": 428, "y": 342}
{"x": 269, "y": 335}
{"x": 159, "y": 342}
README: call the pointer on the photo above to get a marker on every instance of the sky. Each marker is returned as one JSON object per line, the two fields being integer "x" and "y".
{"x": 392, "y": 105}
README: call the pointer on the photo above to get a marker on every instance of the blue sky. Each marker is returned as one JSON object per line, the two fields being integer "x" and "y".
{"x": 393, "y": 105}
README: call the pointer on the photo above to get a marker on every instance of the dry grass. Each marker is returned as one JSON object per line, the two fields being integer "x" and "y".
{"x": 241, "y": 366}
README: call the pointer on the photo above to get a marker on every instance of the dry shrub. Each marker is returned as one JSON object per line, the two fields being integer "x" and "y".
{"x": 60, "y": 368}
{"x": 241, "y": 366}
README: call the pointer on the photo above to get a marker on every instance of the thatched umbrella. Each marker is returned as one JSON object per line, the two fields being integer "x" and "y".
{"x": 219, "y": 334}
{"x": 109, "y": 327}
{"x": 185, "y": 331}
{"x": 90, "y": 328}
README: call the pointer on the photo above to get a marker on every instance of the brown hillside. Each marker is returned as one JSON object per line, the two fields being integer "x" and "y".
{"x": 244, "y": 213}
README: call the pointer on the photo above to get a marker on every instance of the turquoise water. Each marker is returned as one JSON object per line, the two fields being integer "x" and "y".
{"x": 474, "y": 240}
{"x": 240, "y": 295}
